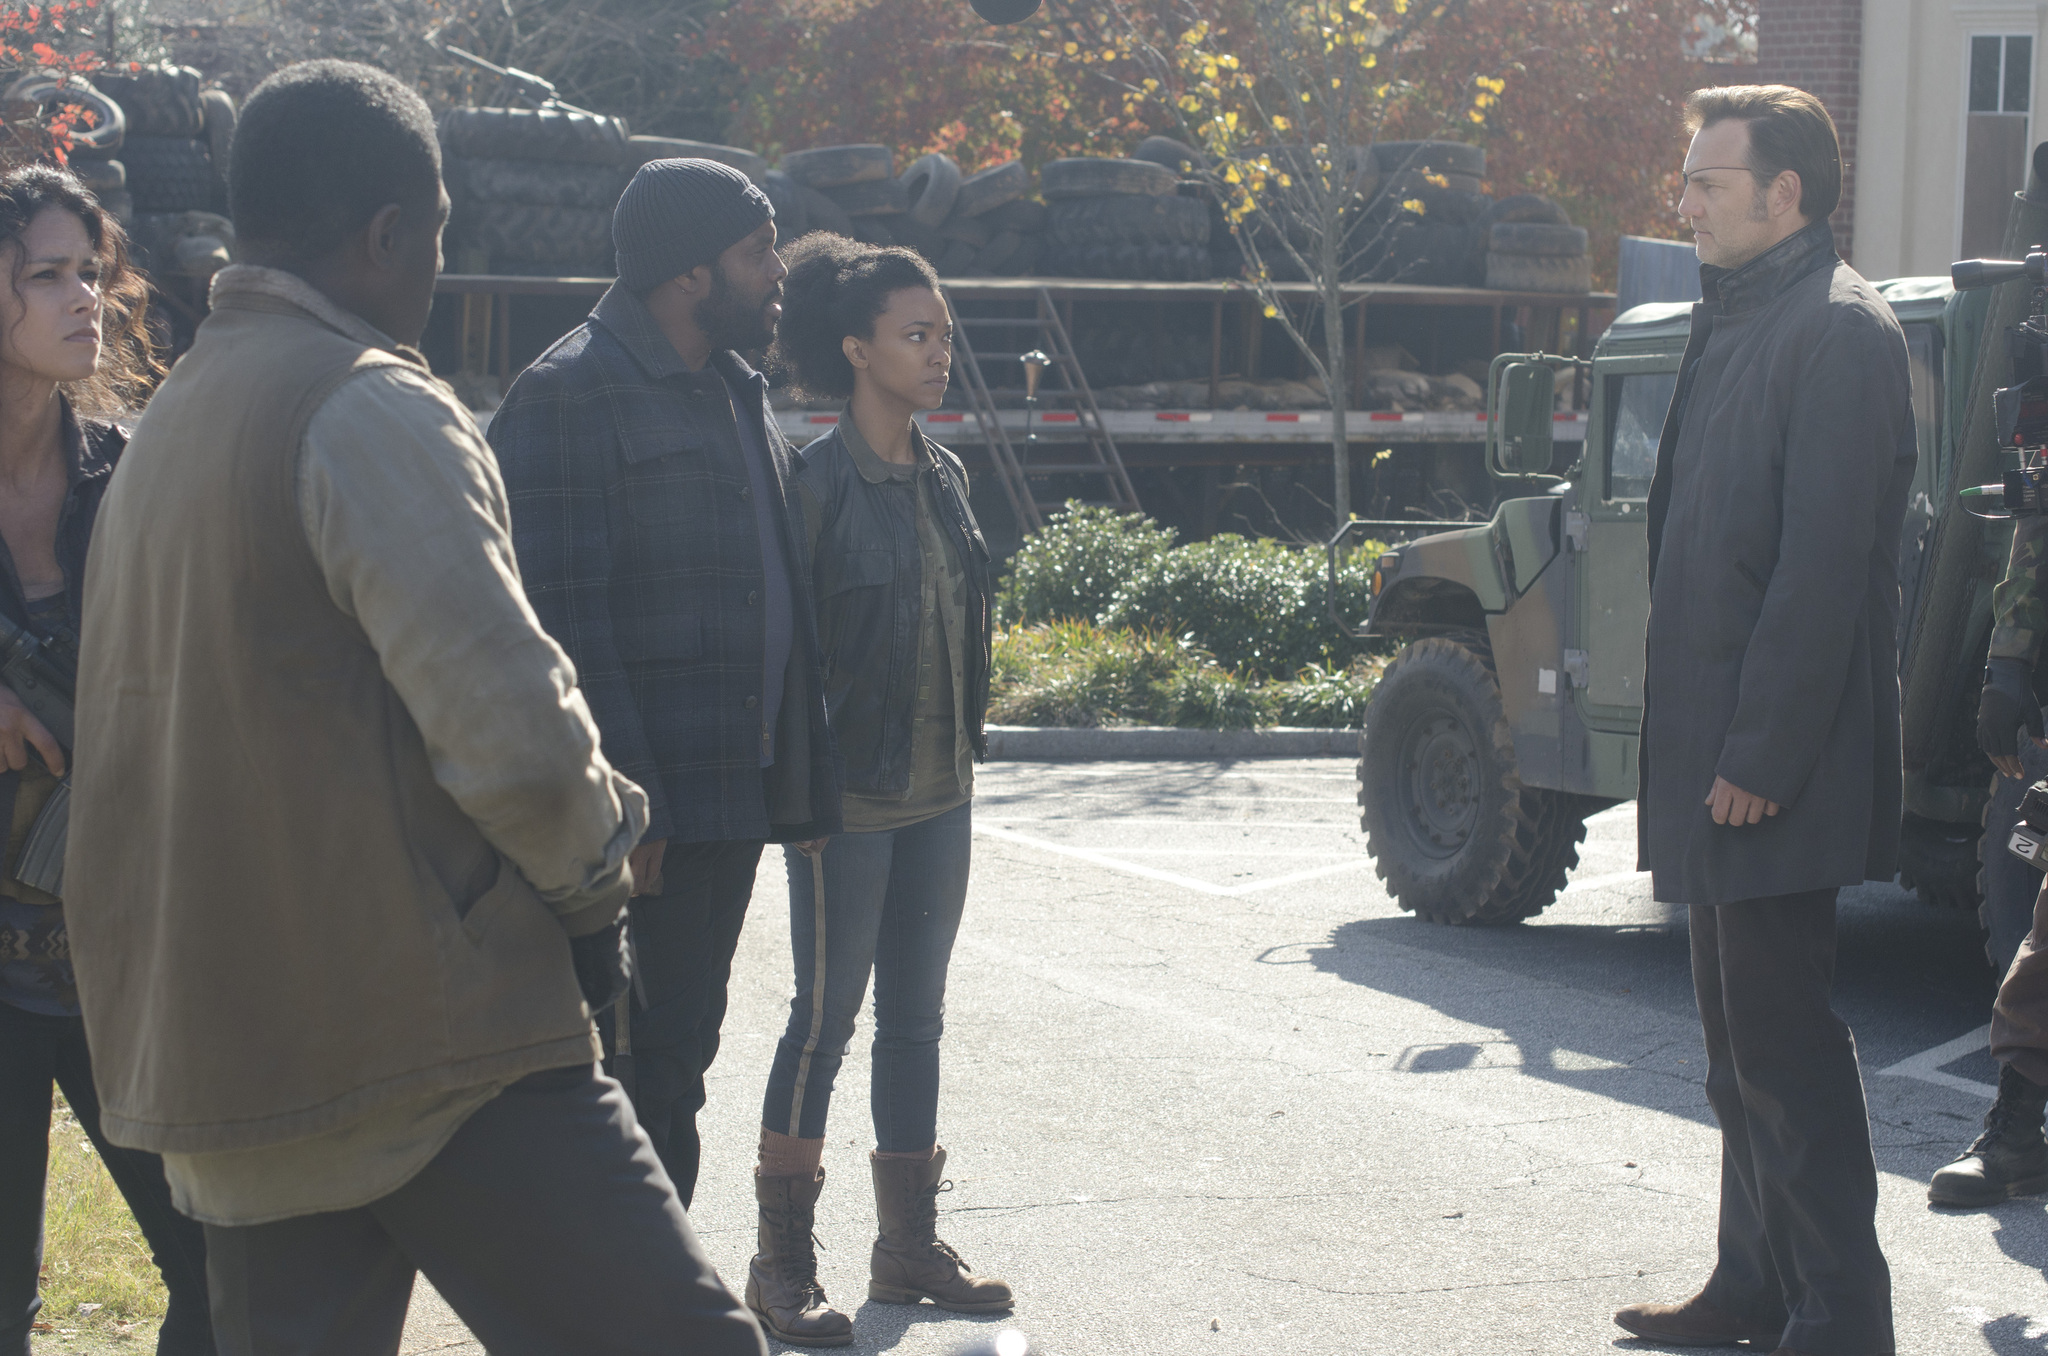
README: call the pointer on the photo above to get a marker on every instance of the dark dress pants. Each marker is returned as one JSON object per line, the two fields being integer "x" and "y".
{"x": 546, "y": 1222}
{"x": 1798, "y": 1232}
{"x": 683, "y": 941}
{"x": 37, "y": 1051}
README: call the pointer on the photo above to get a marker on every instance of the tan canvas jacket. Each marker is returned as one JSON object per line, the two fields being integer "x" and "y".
{"x": 338, "y": 804}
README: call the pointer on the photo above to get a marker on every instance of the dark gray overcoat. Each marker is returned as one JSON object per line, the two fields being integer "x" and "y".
{"x": 1774, "y": 522}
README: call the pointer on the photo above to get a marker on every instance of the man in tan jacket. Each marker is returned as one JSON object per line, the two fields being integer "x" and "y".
{"x": 346, "y": 867}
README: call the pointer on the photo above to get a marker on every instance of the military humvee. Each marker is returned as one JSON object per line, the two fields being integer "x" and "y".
{"x": 1512, "y": 711}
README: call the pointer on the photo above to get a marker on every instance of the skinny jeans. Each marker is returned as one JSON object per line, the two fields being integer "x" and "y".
{"x": 886, "y": 903}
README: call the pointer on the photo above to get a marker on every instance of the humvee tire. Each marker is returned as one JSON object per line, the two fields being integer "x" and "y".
{"x": 1452, "y": 831}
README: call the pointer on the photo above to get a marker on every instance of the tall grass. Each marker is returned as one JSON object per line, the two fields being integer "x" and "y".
{"x": 99, "y": 1286}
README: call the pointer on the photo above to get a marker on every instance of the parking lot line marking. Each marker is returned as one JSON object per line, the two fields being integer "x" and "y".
{"x": 1122, "y": 821}
{"x": 1191, "y": 798}
{"x": 1113, "y": 863}
{"x": 1926, "y": 1066}
{"x": 1602, "y": 882}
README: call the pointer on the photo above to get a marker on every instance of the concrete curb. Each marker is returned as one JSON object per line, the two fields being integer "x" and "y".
{"x": 1160, "y": 743}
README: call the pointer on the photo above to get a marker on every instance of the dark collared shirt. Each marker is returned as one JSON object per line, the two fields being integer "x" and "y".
{"x": 637, "y": 491}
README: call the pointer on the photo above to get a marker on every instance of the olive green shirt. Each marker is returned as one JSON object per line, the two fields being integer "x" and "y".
{"x": 941, "y": 749}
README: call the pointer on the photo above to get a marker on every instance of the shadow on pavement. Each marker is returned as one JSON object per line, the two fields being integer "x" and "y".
{"x": 1907, "y": 977}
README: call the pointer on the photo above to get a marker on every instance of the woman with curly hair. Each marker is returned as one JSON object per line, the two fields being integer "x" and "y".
{"x": 902, "y": 582}
{"x": 74, "y": 355}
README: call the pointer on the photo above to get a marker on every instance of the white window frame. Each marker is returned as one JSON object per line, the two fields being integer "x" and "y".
{"x": 1989, "y": 21}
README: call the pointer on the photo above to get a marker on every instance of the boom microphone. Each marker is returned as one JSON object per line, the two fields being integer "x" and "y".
{"x": 1005, "y": 11}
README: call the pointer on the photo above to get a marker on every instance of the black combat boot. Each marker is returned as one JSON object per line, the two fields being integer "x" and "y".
{"x": 2010, "y": 1158}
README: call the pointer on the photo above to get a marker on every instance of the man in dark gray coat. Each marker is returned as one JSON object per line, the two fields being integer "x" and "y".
{"x": 1770, "y": 749}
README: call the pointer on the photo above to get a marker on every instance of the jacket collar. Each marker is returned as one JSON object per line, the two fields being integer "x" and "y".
{"x": 867, "y": 461}
{"x": 252, "y": 287}
{"x": 633, "y": 325}
{"x": 1734, "y": 291}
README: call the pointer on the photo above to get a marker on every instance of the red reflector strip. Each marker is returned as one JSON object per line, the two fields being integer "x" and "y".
{"x": 1171, "y": 416}
{"x": 1283, "y": 418}
{"x": 944, "y": 418}
{"x": 1058, "y": 417}
{"x": 1386, "y": 416}
{"x": 821, "y": 419}
{"x": 1568, "y": 417}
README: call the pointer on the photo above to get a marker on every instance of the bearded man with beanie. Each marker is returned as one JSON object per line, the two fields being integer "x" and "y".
{"x": 661, "y": 541}
{"x": 348, "y": 868}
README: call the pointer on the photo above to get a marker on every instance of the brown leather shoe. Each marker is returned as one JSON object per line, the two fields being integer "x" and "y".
{"x": 1694, "y": 1323}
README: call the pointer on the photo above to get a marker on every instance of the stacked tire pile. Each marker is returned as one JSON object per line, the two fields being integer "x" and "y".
{"x": 1118, "y": 218}
{"x": 532, "y": 190}
{"x": 966, "y": 225}
{"x": 1532, "y": 246}
{"x": 94, "y": 146}
{"x": 165, "y": 174}
{"x": 1443, "y": 244}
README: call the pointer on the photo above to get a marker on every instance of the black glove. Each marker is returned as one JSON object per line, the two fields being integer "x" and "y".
{"x": 604, "y": 965}
{"x": 2006, "y": 704}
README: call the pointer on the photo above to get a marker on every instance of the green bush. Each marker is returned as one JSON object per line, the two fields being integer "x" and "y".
{"x": 1326, "y": 698}
{"x": 1078, "y": 673}
{"x": 1260, "y": 606}
{"x": 1074, "y": 565}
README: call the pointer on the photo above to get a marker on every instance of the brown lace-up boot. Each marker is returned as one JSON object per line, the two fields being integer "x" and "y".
{"x": 910, "y": 1261}
{"x": 782, "y": 1280}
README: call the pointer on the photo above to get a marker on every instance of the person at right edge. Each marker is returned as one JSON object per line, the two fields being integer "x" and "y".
{"x": 903, "y": 610}
{"x": 2011, "y": 1157}
{"x": 1770, "y": 759}
{"x": 346, "y": 867}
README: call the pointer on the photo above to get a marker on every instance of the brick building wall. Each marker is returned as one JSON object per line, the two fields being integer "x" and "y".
{"x": 1817, "y": 45}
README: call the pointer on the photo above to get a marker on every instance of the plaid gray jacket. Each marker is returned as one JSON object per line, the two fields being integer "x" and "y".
{"x": 639, "y": 549}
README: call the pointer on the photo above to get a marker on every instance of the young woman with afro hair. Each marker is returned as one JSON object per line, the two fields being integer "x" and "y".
{"x": 902, "y": 582}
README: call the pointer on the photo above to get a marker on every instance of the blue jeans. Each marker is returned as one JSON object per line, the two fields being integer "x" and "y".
{"x": 889, "y": 904}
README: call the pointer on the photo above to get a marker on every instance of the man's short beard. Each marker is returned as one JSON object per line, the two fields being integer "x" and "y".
{"x": 730, "y": 320}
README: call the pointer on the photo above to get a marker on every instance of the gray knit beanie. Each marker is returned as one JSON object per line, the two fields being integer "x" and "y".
{"x": 677, "y": 214}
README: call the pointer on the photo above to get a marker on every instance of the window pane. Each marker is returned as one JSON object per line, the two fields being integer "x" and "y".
{"x": 2019, "y": 73}
{"x": 1638, "y": 409}
{"x": 1984, "y": 75}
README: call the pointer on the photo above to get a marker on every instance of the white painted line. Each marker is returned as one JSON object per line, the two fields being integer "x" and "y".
{"x": 1348, "y": 824}
{"x": 1926, "y": 1066}
{"x": 1193, "y": 798}
{"x": 1602, "y": 882}
{"x": 1113, "y": 863}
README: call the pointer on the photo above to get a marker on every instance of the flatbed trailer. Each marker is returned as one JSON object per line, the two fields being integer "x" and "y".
{"x": 1184, "y": 456}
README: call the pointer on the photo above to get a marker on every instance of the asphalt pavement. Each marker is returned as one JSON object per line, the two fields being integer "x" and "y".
{"x": 1208, "y": 1090}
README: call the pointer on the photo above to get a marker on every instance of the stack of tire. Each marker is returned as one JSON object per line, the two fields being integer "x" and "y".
{"x": 94, "y": 146}
{"x": 966, "y": 225}
{"x": 1118, "y": 218}
{"x": 972, "y": 225}
{"x": 1532, "y": 246}
{"x": 532, "y": 190}
{"x": 172, "y": 169}
{"x": 1442, "y": 245}
{"x": 1226, "y": 256}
